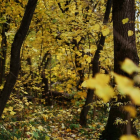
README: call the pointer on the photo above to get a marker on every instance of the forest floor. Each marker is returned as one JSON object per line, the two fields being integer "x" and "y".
{"x": 34, "y": 121}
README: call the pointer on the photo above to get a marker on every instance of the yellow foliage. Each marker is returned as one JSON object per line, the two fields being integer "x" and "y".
{"x": 135, "y": 95}
{"x": 128, "y": 137}
{"x": 83, "y": 95}
{"x": 15, "y": 138}
{"x": 96, "y": 27}
{"x": 78, "y": 38}
{"x": 122, "y": 83}
{"x": 124, "y": 21}
{"x": 47, "y": 138}
{"x": 130, "y": 33}
{"x": 1, "y": 87}
{"x": 126, "y": 87}
{"x": 100, "y": 83}
{"x": 131, "y": 110}
{"x": 129, "y": 66}
{"x": 105, "y": 31}
{"x": 12, "y": 113}
{"x": 40, "y": 128}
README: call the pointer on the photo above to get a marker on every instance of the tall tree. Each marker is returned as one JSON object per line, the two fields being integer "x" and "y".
{"x": 95, "y": 68}
{"x": 124, "y": 47}
{"x": 15, "y": 54}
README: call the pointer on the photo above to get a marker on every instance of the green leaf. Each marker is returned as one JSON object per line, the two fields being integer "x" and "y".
{"x": 35, "y": 134}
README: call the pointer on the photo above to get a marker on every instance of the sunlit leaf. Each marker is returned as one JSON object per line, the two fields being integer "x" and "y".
{"x": 96, "y": 27}
{"x": 105, "y": 31}
{"x": 1, "y": 87}
{"x": 12, "y": 113}
{"x": 82, "y": 94}
{"x": 129, "y": 67}
{"x": 47, "y": 138}
{"x": 78, "y": 38}
{"x": 106, "y": 92}
{"x": 62, "y": 126}
{"x": 126, "y": 87}
{"x": 135, "y": 95}
{"x": 40, "y": 128}
{"x": 10, "y": 108}
{"x": 15, "y": 138}
{"x": 131, "y": 110}
{"x": 128, "y": 137}
{"x": 122, "y": 83}
{"x": 130, "y": 33}
{"x": 3, "y": 116}
{"x": 124, "y": 21}
{"x": 100, "y": 83}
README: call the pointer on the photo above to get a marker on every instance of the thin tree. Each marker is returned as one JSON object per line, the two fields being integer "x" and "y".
{"x": 15, "y": 54}
{"x": 95, "y": 68}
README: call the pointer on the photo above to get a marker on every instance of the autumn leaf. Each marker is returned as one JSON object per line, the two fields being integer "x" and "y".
{"x": 128, "y": 137}
{"x": 83, "y": 95}
{"x": 129, "y": 67}
{"x": 62, "y": 126}
{"x": 1, "y": 87}
{"x": 40, "y": 128}
{"x": 96, "y": 27}
{"x": 105, "y": 31}
{"x": 100, "y": 84}
{"x": 47, "y": 138}
{"x": 124, "y": 21}
{"x": 10, "y": 108}
{"x": 27, "y": 103}
{"x": 132, "y": 110}
{"x": 15, "y": 138}
{"x": 126, "y": 87}
{"x": 45, "y": 117}
{"x": 3, "y": 116}
{"x": 12, "y": 113}
{"x": 88, "y": 59}
{"x": 78, "y": 38}
{"x": 106, "y": 92}
{"x": 134, "y": 93}
{"x": 88, "y": 83}
{"x": 122, "y": 83}
{"x": 130, "y": 33}
{"x": 68, "y": 130}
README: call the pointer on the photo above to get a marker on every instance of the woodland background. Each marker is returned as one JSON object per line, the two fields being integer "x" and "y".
{"x": 57, "y": 59}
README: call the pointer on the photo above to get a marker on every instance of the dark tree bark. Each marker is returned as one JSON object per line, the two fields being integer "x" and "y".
{"x": 78, "y": 65}
{"x": 95, "y": 69}
{"x": 45, "y": 87}
{"x": 124, "y": 47}
{"x": 3, "y": 49}
{"x": 66, "y": 4}
{"x": 15, "y": 54}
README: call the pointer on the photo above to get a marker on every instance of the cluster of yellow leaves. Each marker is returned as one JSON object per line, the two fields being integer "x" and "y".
{"x": 125, "y": 85}
{"x": 10, "y": 109}
{"x": 129, "y": 67}
{"x": 101, "y": 84}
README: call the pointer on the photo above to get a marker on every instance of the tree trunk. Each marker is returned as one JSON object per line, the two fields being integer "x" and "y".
{"x": 45, "y": 87}
{"x": 15, "y": 54}
{"x": 124, "y": 47}
{"x": 3, "y": 57}
{"x": 95, "y": 69}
